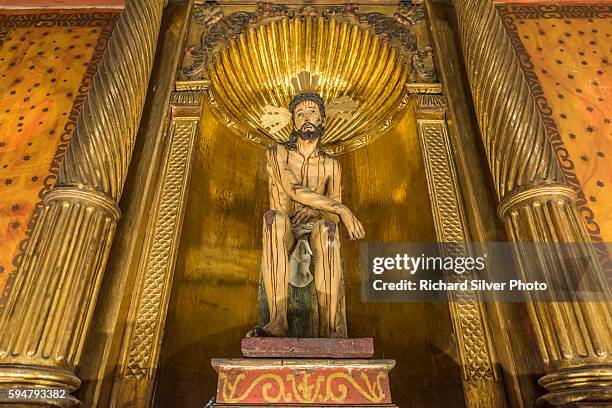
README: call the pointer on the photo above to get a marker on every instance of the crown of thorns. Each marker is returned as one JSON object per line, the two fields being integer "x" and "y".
{"x": 274, "y": 119}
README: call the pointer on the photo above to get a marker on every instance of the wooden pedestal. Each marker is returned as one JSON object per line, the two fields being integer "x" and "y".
{"x": 279, "y": 379}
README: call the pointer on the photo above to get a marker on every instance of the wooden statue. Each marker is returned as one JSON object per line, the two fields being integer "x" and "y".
{"x": 301, "y": 228}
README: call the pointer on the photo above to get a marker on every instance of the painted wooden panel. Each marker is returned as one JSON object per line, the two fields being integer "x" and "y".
{"x": 565, "y": 53}
{"x": 47, "y": 64}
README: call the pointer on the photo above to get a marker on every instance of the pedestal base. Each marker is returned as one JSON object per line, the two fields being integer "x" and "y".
{"x": 312, "y": 382}
{"x": 272, "y": 347}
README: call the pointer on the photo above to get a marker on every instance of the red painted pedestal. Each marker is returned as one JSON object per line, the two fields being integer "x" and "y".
{"x": 317, "y": 347}
{"x": 311, "y": 382}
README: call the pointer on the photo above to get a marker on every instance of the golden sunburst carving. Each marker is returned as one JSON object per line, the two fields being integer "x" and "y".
{"x": 256, "y": 69}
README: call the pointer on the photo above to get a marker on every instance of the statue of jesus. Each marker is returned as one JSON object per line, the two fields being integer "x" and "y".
{"x": 305, "y": 209}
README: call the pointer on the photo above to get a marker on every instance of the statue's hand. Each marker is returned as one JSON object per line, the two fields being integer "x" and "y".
{"x": 304, "y": 215}
{"x": 352, "y": 224}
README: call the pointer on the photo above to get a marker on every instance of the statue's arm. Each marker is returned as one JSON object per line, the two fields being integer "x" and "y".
{"x": 334, "y": 186}
{"x": 284, "y": 177}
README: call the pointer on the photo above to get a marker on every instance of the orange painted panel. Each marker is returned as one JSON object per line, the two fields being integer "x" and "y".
{"x": 565, "y": 52}
{"x": 47, "y": 63}
{"x": 63, "y": 4}
{"x": 23, "y": 4}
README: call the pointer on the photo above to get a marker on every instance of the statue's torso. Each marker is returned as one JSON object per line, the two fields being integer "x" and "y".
{"x": 314, "y": 172}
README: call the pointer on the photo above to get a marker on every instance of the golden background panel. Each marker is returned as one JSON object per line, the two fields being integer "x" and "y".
{"x": 214, "y": 295}
{"x": 47, "y": 62}
{"x": 566, "y": 54}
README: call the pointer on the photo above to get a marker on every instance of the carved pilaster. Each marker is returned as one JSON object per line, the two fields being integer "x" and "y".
{"x": 573, "y": 337}
{"x": 482, "y": 385}
{"x": 47, "y": 315}
{"x": 142, "y": 340}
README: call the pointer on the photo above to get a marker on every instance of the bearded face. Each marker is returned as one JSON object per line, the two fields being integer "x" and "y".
{"x": 308, "y": 122}
{"x": 310, "y": 131}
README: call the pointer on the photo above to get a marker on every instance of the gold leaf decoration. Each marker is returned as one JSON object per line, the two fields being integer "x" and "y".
{"x": 256, "y": 70}
{"x": 305, "y": 82}
{"x": 343, "y": 108}
{"x": 275, "y": 119}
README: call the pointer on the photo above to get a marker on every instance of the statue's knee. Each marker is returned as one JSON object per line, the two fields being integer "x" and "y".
{"x": 331, "y": 229}
{"x": 275, "y": 219}
{"x": 327, "y": 231}
{"x": 269, "y": 217}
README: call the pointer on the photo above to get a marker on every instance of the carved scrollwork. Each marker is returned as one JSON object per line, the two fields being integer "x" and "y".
{"x": 423, "y": 65}
{"x": 396, "y": 29}
{"x": 303, "y": 388}
{"x": 219, "y": 29}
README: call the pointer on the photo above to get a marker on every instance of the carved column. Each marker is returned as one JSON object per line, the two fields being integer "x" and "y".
{"x": 481, "y": 380}
{"x": 574, "y": 338}
{"x": 43, "y": 327}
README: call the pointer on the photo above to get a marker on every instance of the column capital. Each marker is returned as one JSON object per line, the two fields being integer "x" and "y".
{"x": 529, "y": 194}
{"x": 83, "y": 195}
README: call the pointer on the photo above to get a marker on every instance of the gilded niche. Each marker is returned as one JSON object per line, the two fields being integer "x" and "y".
{"x": 250, "y": 56}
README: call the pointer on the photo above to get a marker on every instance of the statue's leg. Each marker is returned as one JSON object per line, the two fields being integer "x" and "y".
{"x": 277, "y": 241}
{"x": 325, "y": 243}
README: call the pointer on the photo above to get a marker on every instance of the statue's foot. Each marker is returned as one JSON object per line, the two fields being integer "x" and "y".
{"x": 336, "y": 335}
{"x": 277, "y": 329}
{"x": 269, "y": 330}
{"x": 258, "y": 332}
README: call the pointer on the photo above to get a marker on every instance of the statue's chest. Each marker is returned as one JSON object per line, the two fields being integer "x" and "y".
{"x": 310, "y": 172}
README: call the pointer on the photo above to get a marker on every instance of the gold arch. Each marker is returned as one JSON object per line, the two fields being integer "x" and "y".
{"x": 256, "y": 68}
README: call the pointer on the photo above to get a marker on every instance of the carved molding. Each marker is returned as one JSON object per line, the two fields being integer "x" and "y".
{"x": 477, "y": 355}
{"x": 424, "y": 88}
{"x": 148, "y": 312}
{"x": 536, "y": 193}
{"x": 187, "y": 103}
{"x": 195, "y": 85}
{"x": 185, "y": 98}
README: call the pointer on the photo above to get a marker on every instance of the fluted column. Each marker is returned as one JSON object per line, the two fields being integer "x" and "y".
{"x": 536, "y": 205}
{"x": 44, "y": 324}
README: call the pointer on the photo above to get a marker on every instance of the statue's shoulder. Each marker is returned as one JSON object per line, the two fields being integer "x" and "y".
{"x": 275, "y": 149}
{"x": 330, "y": 162}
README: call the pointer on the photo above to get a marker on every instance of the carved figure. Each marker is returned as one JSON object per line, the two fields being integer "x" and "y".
{"x": 305, "y": 210}
{"x": 423, "y": 65}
